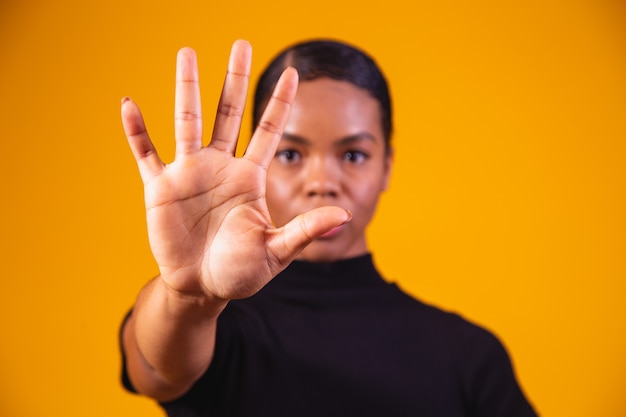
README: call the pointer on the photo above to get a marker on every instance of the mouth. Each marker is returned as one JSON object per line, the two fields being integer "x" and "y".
{"x": 332, "y": 232}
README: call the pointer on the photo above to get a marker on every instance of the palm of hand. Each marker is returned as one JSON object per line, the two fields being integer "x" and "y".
{"x": 209, "y": 228}
{"x": 207, "y": 219}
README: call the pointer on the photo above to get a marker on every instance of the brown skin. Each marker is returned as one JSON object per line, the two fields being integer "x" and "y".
{"x": 206, "y": 211}
{"x": 332, "y": 153}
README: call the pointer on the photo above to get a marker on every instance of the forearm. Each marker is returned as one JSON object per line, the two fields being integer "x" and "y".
{"x": 169, "y": 340}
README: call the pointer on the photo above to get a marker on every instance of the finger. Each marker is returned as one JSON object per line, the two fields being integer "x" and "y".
{"x": 286, "y": 242}
{"x": 233, "y": 99}
{"x": 187, "y": 108}
{"x": 141, "y": 146}
{"x": 270, "y": 129}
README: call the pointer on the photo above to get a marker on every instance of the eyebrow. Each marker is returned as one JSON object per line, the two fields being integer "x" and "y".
{"x": 347, "y": 140}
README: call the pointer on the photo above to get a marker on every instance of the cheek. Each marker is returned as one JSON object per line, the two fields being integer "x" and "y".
{"x": 366, "y": 195}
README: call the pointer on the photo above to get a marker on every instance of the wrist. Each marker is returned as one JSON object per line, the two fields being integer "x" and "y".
{"x": 188, "y": 301}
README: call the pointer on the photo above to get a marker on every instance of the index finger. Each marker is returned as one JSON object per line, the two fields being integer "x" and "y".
{"x": 268, "y": 133}
{"x": 187, "y": 108}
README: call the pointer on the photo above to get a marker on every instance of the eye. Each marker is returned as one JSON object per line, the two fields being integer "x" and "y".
{"x": 288, "y": 156}
{"x": 355, "y": 157}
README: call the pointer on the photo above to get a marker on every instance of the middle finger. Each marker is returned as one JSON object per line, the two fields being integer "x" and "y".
{"x": 233, "y": 99}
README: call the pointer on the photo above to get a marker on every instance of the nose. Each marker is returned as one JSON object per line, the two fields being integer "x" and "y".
{"x": 322, "y": 178}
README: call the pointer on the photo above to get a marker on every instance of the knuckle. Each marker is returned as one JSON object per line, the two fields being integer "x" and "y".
{"x": 188, "y": 115}
{"x": 270, "y": 127}
{"x": 230, "y": 110}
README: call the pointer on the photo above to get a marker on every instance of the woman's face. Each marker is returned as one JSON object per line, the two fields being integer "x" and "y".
{"x": 332, "y": 153}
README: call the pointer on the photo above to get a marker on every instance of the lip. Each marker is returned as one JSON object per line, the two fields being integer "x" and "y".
{"x": 332, "y": 232}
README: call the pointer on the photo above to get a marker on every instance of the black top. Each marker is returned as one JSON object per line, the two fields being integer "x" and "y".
{"x": 338, "y": 340}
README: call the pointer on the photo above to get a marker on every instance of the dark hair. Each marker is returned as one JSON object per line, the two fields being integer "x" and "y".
{"x": 327, "y": 58}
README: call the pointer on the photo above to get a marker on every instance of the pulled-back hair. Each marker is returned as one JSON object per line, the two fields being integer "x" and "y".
{"x": 327, "y": 58}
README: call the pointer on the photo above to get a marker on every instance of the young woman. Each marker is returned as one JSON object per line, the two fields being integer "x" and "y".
{"x": 268, "y": 302}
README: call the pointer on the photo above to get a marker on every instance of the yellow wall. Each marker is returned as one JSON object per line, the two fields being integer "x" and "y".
{"x": 507, "y": 202}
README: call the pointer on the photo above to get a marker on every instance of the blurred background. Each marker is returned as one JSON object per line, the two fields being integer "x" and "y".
{"x": 506, "y": 205}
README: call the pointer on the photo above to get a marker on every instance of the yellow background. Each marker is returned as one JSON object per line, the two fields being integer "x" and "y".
{"x": 507, "y": 201}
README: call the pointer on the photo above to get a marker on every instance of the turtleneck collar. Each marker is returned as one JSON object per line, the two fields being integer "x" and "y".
{"x": 354, "y": 272}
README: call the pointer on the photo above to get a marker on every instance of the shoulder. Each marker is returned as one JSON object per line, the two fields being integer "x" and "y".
{"x": 468, "y": 331}
{"x": 483, "y": 362}
{"x": 473, "y": 343}
{"x": 448, "y": 330}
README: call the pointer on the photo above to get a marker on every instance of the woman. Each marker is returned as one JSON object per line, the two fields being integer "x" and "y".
{"x": 216, "y": 334}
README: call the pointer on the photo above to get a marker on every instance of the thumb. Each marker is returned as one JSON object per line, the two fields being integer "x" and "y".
{"x": 286, "y": 242}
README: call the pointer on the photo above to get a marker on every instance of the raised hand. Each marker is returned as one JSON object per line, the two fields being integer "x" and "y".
{"x": 208, "y": 224}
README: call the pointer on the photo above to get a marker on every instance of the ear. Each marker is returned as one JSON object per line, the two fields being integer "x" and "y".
{"x": 387, "y": 169}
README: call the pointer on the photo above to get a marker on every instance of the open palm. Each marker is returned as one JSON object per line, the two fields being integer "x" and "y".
{"x": 208, "y": 223}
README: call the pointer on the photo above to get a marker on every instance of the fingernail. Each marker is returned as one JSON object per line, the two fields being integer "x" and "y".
{"x": 125, "y": 99}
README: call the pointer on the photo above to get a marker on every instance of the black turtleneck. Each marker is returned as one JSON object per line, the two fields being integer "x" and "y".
{"x": 346, "y": 273}
{"x": 336, "y": 339}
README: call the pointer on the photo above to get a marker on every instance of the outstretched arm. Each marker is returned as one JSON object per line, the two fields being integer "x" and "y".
{"x": 208, "y": 225}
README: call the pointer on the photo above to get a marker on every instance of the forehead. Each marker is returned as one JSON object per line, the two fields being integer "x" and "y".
{"x": 327, "y": 108}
